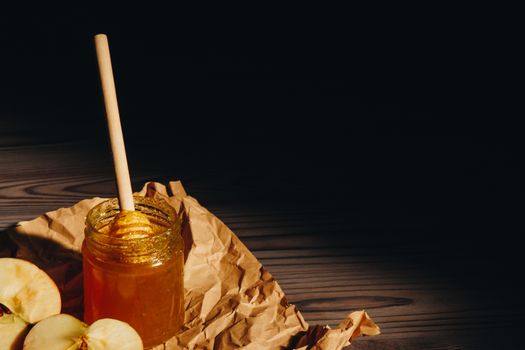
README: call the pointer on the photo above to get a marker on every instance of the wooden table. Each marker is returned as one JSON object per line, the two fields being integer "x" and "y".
{"x": 332, "y": 253}
{"x": 367, "y": 165}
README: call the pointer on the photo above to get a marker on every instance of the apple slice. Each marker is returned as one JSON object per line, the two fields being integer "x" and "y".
{"x": 27, "y": 291}
{"x": 12, "y": 332}
{"x": 64, "y": 332}
{"x": 27, "y": 295}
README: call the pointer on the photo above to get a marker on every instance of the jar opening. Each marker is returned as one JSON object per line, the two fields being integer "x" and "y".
{"x": 165, "y": 223}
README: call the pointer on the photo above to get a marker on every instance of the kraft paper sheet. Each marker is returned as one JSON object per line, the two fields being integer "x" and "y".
{"x": 231, "y": 301}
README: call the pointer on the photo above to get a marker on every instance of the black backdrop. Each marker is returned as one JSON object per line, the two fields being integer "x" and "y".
{"x": 417, "y": 105}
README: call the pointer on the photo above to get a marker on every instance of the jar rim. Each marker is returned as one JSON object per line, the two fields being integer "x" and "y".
{"x": 151, "y": 248}
{"x": 94, "y": 216}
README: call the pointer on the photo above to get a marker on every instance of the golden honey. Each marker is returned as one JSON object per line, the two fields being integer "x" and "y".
{"x": 135, "y": 280}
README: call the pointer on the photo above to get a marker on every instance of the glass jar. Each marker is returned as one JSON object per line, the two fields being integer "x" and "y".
{"x": 135, "y": 280}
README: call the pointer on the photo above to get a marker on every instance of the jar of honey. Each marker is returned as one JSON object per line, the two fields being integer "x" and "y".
{"x": 135, "y": 279}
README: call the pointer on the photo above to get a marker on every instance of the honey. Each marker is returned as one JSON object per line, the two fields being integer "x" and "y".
{"x": 135, "y": 280}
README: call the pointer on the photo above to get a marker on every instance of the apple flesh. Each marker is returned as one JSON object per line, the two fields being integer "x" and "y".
{"x": 27, "y": 295}
{"x": 27, "y": 291}
{"x": 12, "y": 331}
{"x": 64, "y": 332}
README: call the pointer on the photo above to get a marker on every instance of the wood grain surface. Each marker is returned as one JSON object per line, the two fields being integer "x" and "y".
{"x": 373, "y": 164}
{"x": 330, "y": 254}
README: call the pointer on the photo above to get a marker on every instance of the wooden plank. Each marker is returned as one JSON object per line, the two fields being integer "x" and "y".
{"x": 330, "y": 258}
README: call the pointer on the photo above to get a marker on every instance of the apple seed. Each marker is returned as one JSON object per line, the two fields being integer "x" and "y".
{"x": 4, "y": 310}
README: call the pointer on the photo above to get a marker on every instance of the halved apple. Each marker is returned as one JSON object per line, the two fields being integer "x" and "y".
{"x": 64, "y": 332}
{"x": 27, "y": 295}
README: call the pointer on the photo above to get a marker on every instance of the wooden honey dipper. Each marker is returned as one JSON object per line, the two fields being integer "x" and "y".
{"x": 128, "y": 221}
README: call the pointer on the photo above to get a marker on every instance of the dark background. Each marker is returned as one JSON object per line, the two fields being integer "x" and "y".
{"x": 416, "y": 106}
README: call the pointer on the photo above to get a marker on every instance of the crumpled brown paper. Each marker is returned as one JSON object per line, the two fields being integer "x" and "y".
{"x": 231, "y": 301}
